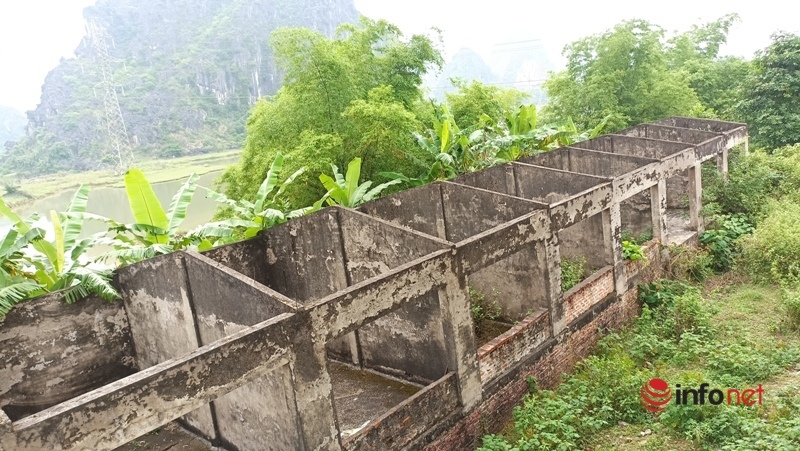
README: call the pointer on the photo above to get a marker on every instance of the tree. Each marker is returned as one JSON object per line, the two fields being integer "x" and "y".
{"x": 771, "y": 93}
{"x": 475, "y": 99}
{"x": 634, "y": 74}
{"x": 341, "y": 98}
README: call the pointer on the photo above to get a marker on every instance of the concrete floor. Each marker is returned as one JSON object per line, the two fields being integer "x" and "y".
{"x": 678, "y": 230}
{"x": 362, "y": 396}
{"x": 171, "y": 437}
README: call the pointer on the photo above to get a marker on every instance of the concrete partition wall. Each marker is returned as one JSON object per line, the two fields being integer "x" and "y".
{"x": 318, "y": 255}
{"x": 632, "y": 178}
{"x": 499, "y": 240}
{"x": 735, "y": 132}
{"x": 156, "y": 294}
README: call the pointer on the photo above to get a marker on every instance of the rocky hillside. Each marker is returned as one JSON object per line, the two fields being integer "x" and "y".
{"x": 186, "y": 73}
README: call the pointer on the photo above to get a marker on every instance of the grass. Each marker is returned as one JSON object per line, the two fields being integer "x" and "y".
{"x": 737, "y": 335}
{"x": 156, "y": 170}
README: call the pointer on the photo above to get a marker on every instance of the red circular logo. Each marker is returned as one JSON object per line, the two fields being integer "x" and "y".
{"x": 655, "y": 395}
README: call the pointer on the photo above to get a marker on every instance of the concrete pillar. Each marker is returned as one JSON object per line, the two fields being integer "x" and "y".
{"x": 658, "y": 208}
{"x": 722, "y": 162}
{"x": 612, "y": 239}
{"x": 747, "y": 145}
{"x": 555, "y": 296}
{"x": 695, "y": 196}
{"x": 314, "y": 392}
{"x": 459, "y": 335}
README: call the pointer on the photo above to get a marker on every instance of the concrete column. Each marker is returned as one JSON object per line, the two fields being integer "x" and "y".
{"x": 695, "y": 196}
{"x": 658, "y": 208}
{"x": 459, "y": 335}
{"x": 747, "y": 145}
{"x": 722, "y": 162}
{"x": 555, "y": 297}
{"x": 314, "y": 392}
{"x": 612, "y": 238}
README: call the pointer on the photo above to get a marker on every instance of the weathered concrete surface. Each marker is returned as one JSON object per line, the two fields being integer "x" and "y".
{"x": 407, "y": 420}
{"x": 161, "y": 320}
{"x": 119, "y": 412}
{"x": 735, "y": 132}
{"x": 364, "y": 396}
{"x": 262, "y": 413}
{"x": 51, "y": 351}
{"x": 706, "y": 143}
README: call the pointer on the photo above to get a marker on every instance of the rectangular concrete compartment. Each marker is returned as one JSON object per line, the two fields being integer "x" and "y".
{"x": 499, "y": 239}
{"x": 735, "y": 132}
{"x": 168, "y": 320}
{"x": 315, "y": 260}
{"x": 706, "y": 144}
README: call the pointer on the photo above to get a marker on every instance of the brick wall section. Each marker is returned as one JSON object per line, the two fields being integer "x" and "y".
{"x": 410, "y": 418}
{"x": 547, "y": 365}
{"x": 498, "y": 355}
{"x": 588, "y": 292}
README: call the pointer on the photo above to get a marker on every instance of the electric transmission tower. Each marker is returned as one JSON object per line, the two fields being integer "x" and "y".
{"x": 119, "y": 146}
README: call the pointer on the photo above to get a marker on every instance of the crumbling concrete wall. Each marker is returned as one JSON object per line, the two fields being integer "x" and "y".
{"x": 236, "y": 341}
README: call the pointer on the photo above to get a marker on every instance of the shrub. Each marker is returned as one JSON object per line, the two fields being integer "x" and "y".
{"x": 720, "y": 239}
{"x": 772, "y": 251}
{"x": 632, "y": 251}
{"x": 791, "y": 303}
{"x": 689, "y": 263}
{"x": 572, "y": 270}
{"x": 481, "y": 308}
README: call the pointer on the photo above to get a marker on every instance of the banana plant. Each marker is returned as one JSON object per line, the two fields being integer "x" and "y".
{"x": 344, "y": 190}
{"x": 54, "y": 265}
{"x": 155, "y": 231}
{"x": 268, "y": 209}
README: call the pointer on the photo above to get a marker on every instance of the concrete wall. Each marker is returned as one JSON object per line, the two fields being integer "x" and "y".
{"x": 236, "y": 341}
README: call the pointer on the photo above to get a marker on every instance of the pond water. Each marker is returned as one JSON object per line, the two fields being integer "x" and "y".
{"x": 113, "y": 203}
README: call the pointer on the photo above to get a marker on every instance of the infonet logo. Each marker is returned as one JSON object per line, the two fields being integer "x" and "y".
{"x": 656, "y": 394}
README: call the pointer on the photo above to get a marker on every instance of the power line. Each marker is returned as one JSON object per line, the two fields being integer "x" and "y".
{"x": 120, "y": 146}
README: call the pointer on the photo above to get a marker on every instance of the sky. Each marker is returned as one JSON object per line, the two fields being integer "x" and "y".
{"x": 36, "y": 34}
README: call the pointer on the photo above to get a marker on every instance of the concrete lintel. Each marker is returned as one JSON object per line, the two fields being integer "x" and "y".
{"x": 349, "y": 309}
{"x": 735, "y": 132}
{"x": 493, "y": 245}
{"x": 632, "y": 183}
{"x": 121, "y": 411}
{"x": 577, "y": 208}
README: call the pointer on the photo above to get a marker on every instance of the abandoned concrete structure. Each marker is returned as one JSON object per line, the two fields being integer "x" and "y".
{"x": 297, "y": 338}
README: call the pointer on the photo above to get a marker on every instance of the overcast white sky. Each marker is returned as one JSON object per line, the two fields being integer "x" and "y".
{"x": 35, "y": 34}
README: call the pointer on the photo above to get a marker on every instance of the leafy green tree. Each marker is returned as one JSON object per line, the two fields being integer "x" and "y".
{"x": 342, "y": 98}
{"x": 715, "y": 80}
{"x": 475, "y": 99}
{"x": 772, "y": 92}
{"x": 633, "y": 74}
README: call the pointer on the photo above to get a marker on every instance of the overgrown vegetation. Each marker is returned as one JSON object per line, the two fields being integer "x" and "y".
{"x": 573, "y": 270}
{"x": 682, "y": 337}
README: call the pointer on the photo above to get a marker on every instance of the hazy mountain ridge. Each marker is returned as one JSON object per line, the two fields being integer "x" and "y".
{"x": 12, "y": 125}
{"x": 186, "y": 74}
